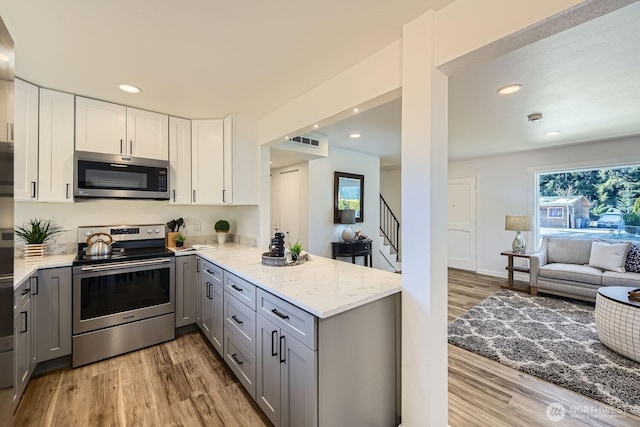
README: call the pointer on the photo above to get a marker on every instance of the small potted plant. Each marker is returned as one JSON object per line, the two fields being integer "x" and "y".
{"x": 295, "y": 250}
{"x": 35, "y": 234}
{"x": 180, "y": 238}
{"x": 222, "y": 229}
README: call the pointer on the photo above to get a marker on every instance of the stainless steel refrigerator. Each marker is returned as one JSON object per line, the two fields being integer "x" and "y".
{"x": 6, "y": 225}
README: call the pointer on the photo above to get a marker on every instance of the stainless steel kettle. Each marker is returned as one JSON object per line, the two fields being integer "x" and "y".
{"x": 99, "y": 247}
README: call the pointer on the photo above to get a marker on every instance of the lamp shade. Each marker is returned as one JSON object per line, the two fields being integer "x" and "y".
{"x": 517, "y": 223}
{"x": 348, "y": 216}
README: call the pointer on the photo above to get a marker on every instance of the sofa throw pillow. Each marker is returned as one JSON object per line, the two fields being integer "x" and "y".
{"x": 633, "y": 259}
{"x": 609, "y": 256}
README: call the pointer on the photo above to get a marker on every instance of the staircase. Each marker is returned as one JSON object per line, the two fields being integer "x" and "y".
{"x": 389, "y": 239}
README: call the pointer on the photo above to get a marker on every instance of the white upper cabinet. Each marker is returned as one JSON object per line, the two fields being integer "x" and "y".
{"x": 207, "y": 162}
{"x": 242, "y": 175}
{"x": 103, "y": 127}
{"x": 55, "y": 159}
{"x": 25, "y": 178}
{"x": 147, "y": 134}
{"x": 180, "y": 161}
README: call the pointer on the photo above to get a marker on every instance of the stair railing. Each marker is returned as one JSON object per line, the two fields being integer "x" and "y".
{"x": 389, "y": 224}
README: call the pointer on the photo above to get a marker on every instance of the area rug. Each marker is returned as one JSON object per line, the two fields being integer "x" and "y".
{"x": 552, "y": 339}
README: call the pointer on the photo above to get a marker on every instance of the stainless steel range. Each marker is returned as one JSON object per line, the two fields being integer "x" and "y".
{"x": 123, "y": 300}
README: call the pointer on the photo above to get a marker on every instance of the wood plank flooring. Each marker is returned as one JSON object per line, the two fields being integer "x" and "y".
{"x": 185, "y": 383}
{"x": 179, "y": 383}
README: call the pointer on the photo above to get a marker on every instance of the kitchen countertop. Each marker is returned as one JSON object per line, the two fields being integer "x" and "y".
{"x": 23, "y": 268}
{"x": 322, "y": 286}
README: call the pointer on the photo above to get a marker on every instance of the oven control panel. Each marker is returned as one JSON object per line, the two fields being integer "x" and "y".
{"x": 124, "y": 232}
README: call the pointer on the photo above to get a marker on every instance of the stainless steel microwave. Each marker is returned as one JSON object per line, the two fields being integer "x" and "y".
{"x": 115, "y": 176}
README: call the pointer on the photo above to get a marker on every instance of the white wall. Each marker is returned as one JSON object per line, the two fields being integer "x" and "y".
{"x": 505, "y": 185}
{"x": 243, "y": 219}
{"x": 322, "y": 230}
{"x": 391, "y": 188}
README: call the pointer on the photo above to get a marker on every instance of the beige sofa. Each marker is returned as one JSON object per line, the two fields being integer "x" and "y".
{"x": 569, "y": 267}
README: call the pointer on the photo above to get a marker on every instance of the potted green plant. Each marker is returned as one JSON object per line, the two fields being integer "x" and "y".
{"x": 35, "y": 233}
{"x": 222, "y": 229}
{"x": 180, "y": 238}
{"x": 295, "y": 250}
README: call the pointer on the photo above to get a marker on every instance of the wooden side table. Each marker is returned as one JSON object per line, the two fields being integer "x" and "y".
{"x": 511, "y": 283}
{"x": 353, "y": 249}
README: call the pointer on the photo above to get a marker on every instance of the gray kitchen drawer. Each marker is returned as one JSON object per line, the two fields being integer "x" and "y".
{"x": 295, "y": 321}
{"x": 240, "y": 320}
{"x": 241, "y": 289}
{"x": 213, "y": 270}
{"x": 241, "y": 361}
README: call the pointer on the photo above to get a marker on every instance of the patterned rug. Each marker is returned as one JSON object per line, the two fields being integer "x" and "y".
{"x": 552, "y": 339}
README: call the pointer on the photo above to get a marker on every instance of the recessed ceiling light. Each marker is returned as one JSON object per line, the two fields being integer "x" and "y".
{"x": 315, "y": 126}
{"x": 270, "y": 162}
{"x": 509, "y": 89}
{"x": 130, "y": 88}
{"x": 3, "y": 57}
{"x": 355, "y": 110}
{"x": 534, "y": 117}
{"x": 552, "y": 133}
{"x": 286, "y": 138}
{"x": 354, "y": 135}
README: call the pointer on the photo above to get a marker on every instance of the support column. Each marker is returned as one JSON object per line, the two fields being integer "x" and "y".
{"x": 424, "y": 221}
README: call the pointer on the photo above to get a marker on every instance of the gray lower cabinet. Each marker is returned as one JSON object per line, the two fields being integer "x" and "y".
{"x": 22, "y": 340}
{"x": 51, "y": 306}
{"x": 286, "y": 380}
{"x": 211, "y": 294}
{"x": 186, "y": 290}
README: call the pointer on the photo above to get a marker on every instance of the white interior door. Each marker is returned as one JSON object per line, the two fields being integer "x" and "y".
{"x": 289, "y": 193}
{"x": 462, "y": 223}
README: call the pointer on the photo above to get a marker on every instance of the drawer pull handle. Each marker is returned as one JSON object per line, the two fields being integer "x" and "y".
{"x": 239, "y": 362}
{"x": 280, "y": 315}
{"x": 283, "y": 346}
{"x": 213, "y": 273}
{"x": 274, "y": 334}
{"x": 237, "y": 288}
{"x": 238, "y": 321}
{"x": 26, "y": 291}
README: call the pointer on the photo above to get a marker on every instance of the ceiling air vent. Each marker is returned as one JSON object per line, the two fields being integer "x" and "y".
{"x": 306, "y": 141}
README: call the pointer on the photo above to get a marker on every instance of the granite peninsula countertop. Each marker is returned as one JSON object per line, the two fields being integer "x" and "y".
{"x": 324, "y": 287}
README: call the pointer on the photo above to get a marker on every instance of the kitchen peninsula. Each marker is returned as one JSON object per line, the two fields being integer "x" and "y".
{"x": 313, "y": 344}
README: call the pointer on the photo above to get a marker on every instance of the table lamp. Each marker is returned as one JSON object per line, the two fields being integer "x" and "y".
{"x": 348, "y": 216}
{"x": 518, "y": 223}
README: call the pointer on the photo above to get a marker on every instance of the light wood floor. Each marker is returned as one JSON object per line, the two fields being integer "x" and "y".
{"x": 184, "y": 382}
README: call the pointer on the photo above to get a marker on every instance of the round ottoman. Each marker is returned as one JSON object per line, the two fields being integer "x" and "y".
{"x": 618, "y": 321}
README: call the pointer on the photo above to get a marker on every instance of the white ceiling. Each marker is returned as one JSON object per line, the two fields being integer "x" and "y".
{"x": 202, "y": 58}
{"x": 584, "y": 81}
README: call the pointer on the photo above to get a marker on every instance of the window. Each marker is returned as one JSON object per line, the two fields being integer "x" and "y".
{"x": 555, "y": 213}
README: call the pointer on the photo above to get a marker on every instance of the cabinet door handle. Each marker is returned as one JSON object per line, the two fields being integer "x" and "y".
{"x": 274, "y": 334}
{"x": 67, "y": 191}
{"x": 198, "y": 265}
{"x": 223, "y": 196}
{"x": 239, "y": 362}
{"x": 26, "y": 323}
{"x": 35, "y": 289}
{"x": 283, "y": 347}
{"x": 33, "y": 189}
{"x": 237, "y": 288}
{"x": 174, "y": 196}
{"x": 210, "y": 293}
{"x": 131, "y": 147}
{"x": 194, "y": 196}
{"x": 238, "y": 321}
{"x": 122, "y": 147}
{"x": 208, "y": 289}
{"x": 280, "y": 315}
{"x": 13, "y": 134}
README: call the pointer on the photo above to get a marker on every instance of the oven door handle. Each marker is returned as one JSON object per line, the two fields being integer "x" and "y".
{"x": 117, "y": 265}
